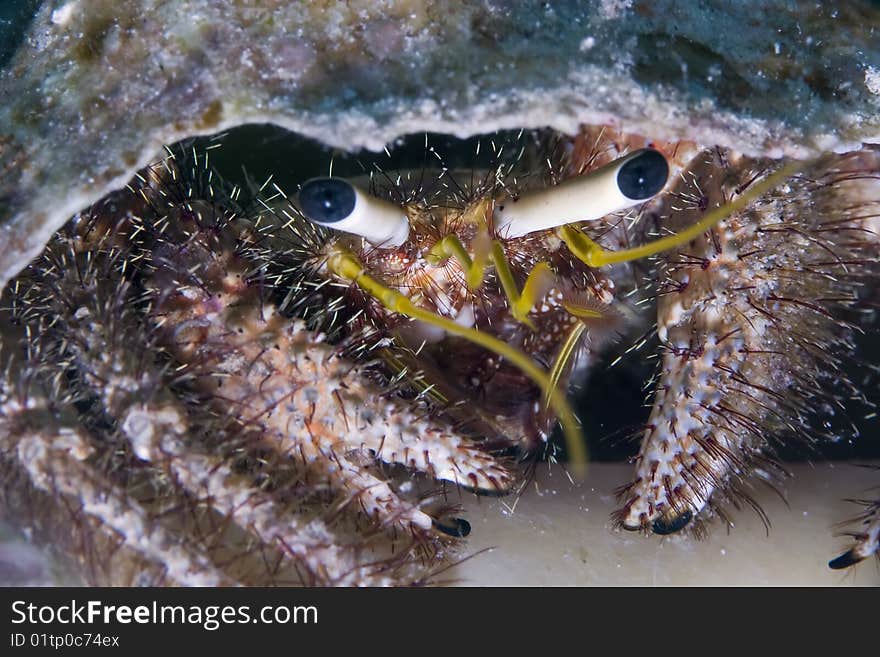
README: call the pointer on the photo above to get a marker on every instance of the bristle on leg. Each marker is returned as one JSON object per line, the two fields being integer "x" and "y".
{"x": 752, "y": 321}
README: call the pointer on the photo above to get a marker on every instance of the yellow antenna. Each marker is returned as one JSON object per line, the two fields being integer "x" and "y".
{"x": 346, "y": 265}
{"x": 594, "y": 255}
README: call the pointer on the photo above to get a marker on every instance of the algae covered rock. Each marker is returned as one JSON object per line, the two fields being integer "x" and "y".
{"x": 94, "y": 88}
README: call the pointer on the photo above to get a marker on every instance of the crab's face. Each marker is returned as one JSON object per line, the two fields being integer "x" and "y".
{"x": 486, "y": 256}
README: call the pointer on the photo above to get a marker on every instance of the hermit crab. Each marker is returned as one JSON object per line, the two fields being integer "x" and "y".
{"x": 210, "y": 384}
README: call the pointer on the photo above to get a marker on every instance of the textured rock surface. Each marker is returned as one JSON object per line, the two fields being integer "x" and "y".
{"x": 96, "y": 87}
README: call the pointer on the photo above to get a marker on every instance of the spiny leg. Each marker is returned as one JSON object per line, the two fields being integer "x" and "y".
{"x": 284, "y": 394}
{"x": 158, "y": 426}
{"x": 60, "y": 461}
{"x": 375, "y": 497}
{"x": 751, "y": 343}
{"x": 442, "y": 454}
{"x": 292, "y": 386}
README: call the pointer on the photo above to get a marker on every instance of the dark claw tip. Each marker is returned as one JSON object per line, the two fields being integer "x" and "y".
{"x": 845, "y": 560}
{"x": 327, "y": 200}
{"x": 456, "y": 527}
{"x": 665, "y": 526}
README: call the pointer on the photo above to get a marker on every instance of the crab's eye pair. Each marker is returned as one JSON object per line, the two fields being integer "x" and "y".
{"x": 626, "y": 182}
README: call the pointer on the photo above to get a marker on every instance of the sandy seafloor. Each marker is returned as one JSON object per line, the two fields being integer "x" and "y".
{"x": 560, "y": 534}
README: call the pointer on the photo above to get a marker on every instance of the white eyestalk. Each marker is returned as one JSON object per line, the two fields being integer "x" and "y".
{"x": 621, "y": 184}
{"x": 337, "y": 204}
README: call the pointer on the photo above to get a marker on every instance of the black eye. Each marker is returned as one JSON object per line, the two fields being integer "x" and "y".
{"x": 644, "y": 175}
{"x": 327, "y": 200}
